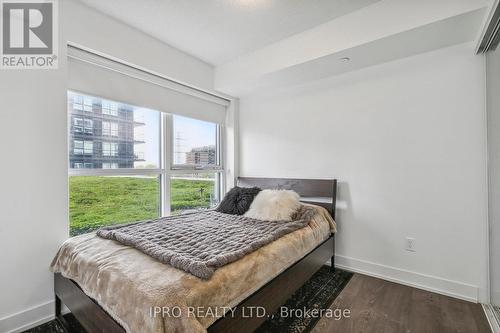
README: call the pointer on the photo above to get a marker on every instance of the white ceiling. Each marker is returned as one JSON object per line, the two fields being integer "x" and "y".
{"x": 219, "y": 31}
{"x": 372, "y": 35}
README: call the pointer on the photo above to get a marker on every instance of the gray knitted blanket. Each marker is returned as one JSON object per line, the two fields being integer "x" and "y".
{"x": 200, "y": 242}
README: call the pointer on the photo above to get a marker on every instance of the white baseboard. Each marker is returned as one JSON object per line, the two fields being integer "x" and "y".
{"x": 413, "y": 279}
{"x": 488, "y": 311}
{"x": 28, "y": 318}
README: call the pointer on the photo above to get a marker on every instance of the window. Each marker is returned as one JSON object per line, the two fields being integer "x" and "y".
{"x": 81, "y": 125}
{"x": 110, "y": 165}
{"x": 109, "y": 149}
{"x": 196, "y": 147}
{"x": 96, "y": 201}
{"x": 193, "y": 191}
{"x": 88, "y": 126}
{"x": 78, "y": 125}
{"x": 81, "y": 165}
{"x": 83, "y": 147}
{"x": 131, "y": 140}
{"x": 109, "y": 128}
{"x": 109, "y": 108}
{"x": 195, "y": 144}
{"x": 145, "y": 164}
{"x": 82, "y": 103}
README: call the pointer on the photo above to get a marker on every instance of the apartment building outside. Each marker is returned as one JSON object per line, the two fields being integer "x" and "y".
{"x": 102, "y": 134}
{"x": 201, "y": 156}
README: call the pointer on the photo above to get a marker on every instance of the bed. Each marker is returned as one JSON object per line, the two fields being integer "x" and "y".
{"x": 108, "y": 286}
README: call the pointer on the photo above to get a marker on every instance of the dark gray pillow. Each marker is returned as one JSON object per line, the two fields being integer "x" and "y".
{"x": 238, "y": 200}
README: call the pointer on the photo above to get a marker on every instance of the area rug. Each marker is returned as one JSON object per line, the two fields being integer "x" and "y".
{"x": 317, "y": 293}
{"x": 55, "y": 327}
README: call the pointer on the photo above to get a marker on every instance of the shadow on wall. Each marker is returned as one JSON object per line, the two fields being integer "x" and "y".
{"x": 344, "y": 210}
{"x": 365, "y": 227}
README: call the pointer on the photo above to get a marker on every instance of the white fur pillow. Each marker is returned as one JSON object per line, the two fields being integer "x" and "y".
{"x": 274, "y": 205}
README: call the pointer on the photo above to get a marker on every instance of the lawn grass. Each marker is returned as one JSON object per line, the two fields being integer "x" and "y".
{"x": 97, "y": 201}
{"x": 189, "y": 194}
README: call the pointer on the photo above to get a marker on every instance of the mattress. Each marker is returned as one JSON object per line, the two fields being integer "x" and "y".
{"x": 145, "y": 295}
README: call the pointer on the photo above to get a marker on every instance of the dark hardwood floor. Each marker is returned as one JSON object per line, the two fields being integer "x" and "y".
{"x": 381, "y": 306}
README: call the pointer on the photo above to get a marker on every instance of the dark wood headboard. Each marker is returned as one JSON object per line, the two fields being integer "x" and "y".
{"x": 321, "y": 192}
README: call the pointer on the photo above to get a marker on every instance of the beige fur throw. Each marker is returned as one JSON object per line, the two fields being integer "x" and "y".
{"x": 274, "y": 205}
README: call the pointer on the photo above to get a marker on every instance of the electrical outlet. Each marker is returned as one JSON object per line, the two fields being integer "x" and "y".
{"x": 410, "y": 244}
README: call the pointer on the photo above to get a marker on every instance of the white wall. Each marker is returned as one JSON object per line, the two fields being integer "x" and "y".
{"x": 33, "y": 195}
{"x": 493, "y": 103}
{"x": 33, "y": 190}
{"x": 407, "y": 141}
{"x": 33, "y": 167}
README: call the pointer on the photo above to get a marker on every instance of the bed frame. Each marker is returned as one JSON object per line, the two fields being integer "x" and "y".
{"x": 271, "y": 296}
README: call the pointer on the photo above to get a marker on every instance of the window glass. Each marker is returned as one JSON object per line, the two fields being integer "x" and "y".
{"x": 88, "y": 147}
{"x": 195, "y": 143}
{"x": 109, "y": 128}
{"x": 111, "y": 135}
{"x": 109, "y": 149}
{"x": 78, "y": 125}
{"x": 81, "y": 125}
{"x": 88, "y": 126}
{"x": 87, "y": 104}
{"x": 82, "y": 103}
{"x": 78, "y": 147}
{"x": 109, "y": 108}
{"x": 83, "y": 147}
{"x": 146, "y": 131}
{"x": 96, "y": 201}
{"x": 110, "y": 165}
{"x": 193, "y": 191}
{"x": 123, "y": 135}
